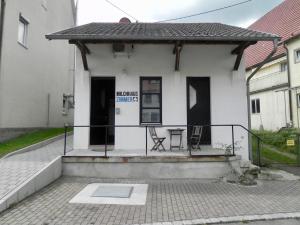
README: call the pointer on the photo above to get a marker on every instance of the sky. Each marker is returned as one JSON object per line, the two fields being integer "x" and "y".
{"x": 157, "y": 10}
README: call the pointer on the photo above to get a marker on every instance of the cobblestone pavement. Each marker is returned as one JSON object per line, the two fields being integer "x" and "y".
{"x": 167, "y": 201}
{"x": 16, "y": 169}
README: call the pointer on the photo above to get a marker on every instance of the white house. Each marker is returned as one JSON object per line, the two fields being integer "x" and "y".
{"x": 160, "y": 74}
{"x": 36, "y": 76}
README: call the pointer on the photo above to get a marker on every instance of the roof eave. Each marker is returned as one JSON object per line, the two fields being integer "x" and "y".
{"x": 97, "y": 39}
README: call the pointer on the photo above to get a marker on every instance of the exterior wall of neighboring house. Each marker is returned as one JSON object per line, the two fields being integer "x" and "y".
{"x": 265, "y": 86}
{"x": 228, "y": 90}
{"x": 294, "y": 45}
{"x": 34, "y": 77}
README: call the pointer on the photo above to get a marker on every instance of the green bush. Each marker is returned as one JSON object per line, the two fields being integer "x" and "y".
{"x": 278, "y": 139}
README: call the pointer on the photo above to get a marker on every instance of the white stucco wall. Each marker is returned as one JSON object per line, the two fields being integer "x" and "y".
{"x": 228, "y": 90}
{"x": 295, "y": 81}
{"x": 45, "y": 67}
{"x": 274, "y": 109}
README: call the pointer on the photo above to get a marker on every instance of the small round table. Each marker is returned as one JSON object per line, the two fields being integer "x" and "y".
{"x": 176, "y": 132}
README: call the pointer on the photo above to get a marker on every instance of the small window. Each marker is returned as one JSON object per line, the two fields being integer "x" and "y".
{"x": 298, "y": 100}
{"x": 150, "y": 106}
{"x": 255, "y": 106}
{"x": 283, "y": 66}
{"x": 23, "y": 31}
{"x": 297, "y": 56}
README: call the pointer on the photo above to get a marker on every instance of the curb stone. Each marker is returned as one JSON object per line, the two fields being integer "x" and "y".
{"x": 232, "y": 219}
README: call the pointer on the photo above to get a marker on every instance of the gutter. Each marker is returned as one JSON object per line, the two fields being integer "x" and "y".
{"x": 275, "y": 46}
{"x": 289, "y": 81}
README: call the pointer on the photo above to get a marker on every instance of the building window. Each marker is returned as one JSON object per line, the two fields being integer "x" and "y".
{"x": 297, "y": 56}
{"x": 298, "y": 100}
{"x": 23, "y": 31}
{"x": 255, "y": 106}
{"x": 150, "y": 105}
{"x": 283, "y": 66}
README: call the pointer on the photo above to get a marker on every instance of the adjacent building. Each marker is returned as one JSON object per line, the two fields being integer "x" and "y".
{"x": 274, "y": 90}
{"x": 134, "y": 75}
{"x": 36, "y": 76}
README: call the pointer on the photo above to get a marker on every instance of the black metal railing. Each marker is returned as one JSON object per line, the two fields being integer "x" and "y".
{"x": 189, "y": 126}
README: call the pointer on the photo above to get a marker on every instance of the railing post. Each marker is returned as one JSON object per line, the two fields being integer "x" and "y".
{"x": 258, "y": 152}
{"x": 190, "y": 143}
{"x": 146, "y": 127}
{"x": 65, "y": 140}
{"x": 105, "y": 150}
{"x": 232, "y": 134}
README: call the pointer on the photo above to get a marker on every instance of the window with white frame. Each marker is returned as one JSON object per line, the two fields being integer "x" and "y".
{"x": 297, "y": 56}
{"x": 255, "y": 106}
{"x": 283, "y": 66}
{"x": 23, "y": 30}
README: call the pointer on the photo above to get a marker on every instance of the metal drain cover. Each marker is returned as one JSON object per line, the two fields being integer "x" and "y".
{"x": 113, "y": 191}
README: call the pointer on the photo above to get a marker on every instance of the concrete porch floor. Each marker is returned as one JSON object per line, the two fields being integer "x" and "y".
{"x": 99, "y": 151}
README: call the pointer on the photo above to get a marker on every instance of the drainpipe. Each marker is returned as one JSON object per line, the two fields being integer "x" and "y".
{"x": 2, "y": 11}
{"x": 2, "y": 22}
{"x": 1, "y": 27}
{"x": 275, "y": 46}
{"x": 289, "y": 81}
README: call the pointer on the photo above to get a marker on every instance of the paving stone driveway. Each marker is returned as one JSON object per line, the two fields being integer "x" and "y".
{"x": 167, "y": 200}
{"x": 16, "y": 169}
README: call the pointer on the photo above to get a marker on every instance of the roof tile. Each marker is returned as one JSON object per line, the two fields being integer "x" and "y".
{"x": 160, "y": 32}
{"x": 284, "y": 21}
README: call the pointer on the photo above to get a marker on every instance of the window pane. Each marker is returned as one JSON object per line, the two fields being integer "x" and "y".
{"x": 150, "y": 115}
{"x": 298, "y": 55}
{"x": 151, "y": 101}
{"x": 253, "y": 106}
{"x": 283, "y": 67}
{"x": 257, "y": 106}
{"x": 21, "y": 34}
{"x": 151, "y": 86}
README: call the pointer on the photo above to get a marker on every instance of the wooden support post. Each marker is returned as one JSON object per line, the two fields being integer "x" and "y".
{"x": 238, "y": 61}
{"x": 177, "y": 51}
{"x": 84, "y": 51}
{"x": 239, "y": 51}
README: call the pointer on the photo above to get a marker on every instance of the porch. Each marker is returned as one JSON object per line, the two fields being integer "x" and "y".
{"x": 99, "y": 151}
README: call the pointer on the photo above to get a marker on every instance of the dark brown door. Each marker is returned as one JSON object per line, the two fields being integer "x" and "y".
{"x": 102, "y": 110}
{"x": 198, "y": 106}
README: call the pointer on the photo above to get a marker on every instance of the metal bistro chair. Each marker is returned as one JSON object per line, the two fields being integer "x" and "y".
{"x": 196, "y": 137}
{"x": 158, "y": 141}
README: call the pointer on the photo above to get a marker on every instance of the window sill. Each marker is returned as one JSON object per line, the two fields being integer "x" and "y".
{"x": 151, "y": 124}
{"x": 24, "y": 46}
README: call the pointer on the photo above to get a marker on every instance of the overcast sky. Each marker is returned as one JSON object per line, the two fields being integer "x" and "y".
{"x": 156, "y": 10}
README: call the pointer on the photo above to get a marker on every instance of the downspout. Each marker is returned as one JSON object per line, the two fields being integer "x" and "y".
{"x": 289, "y": 81}
{"x": 275, "y": 46}
{"x": 2, "y": 11}
{"x": 1, "y": 28}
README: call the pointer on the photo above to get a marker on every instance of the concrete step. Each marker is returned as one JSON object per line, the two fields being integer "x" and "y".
{"x": 139, "y": 167}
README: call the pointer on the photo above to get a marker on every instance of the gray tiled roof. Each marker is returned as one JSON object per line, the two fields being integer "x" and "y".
{"x": 151, "y": 32}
